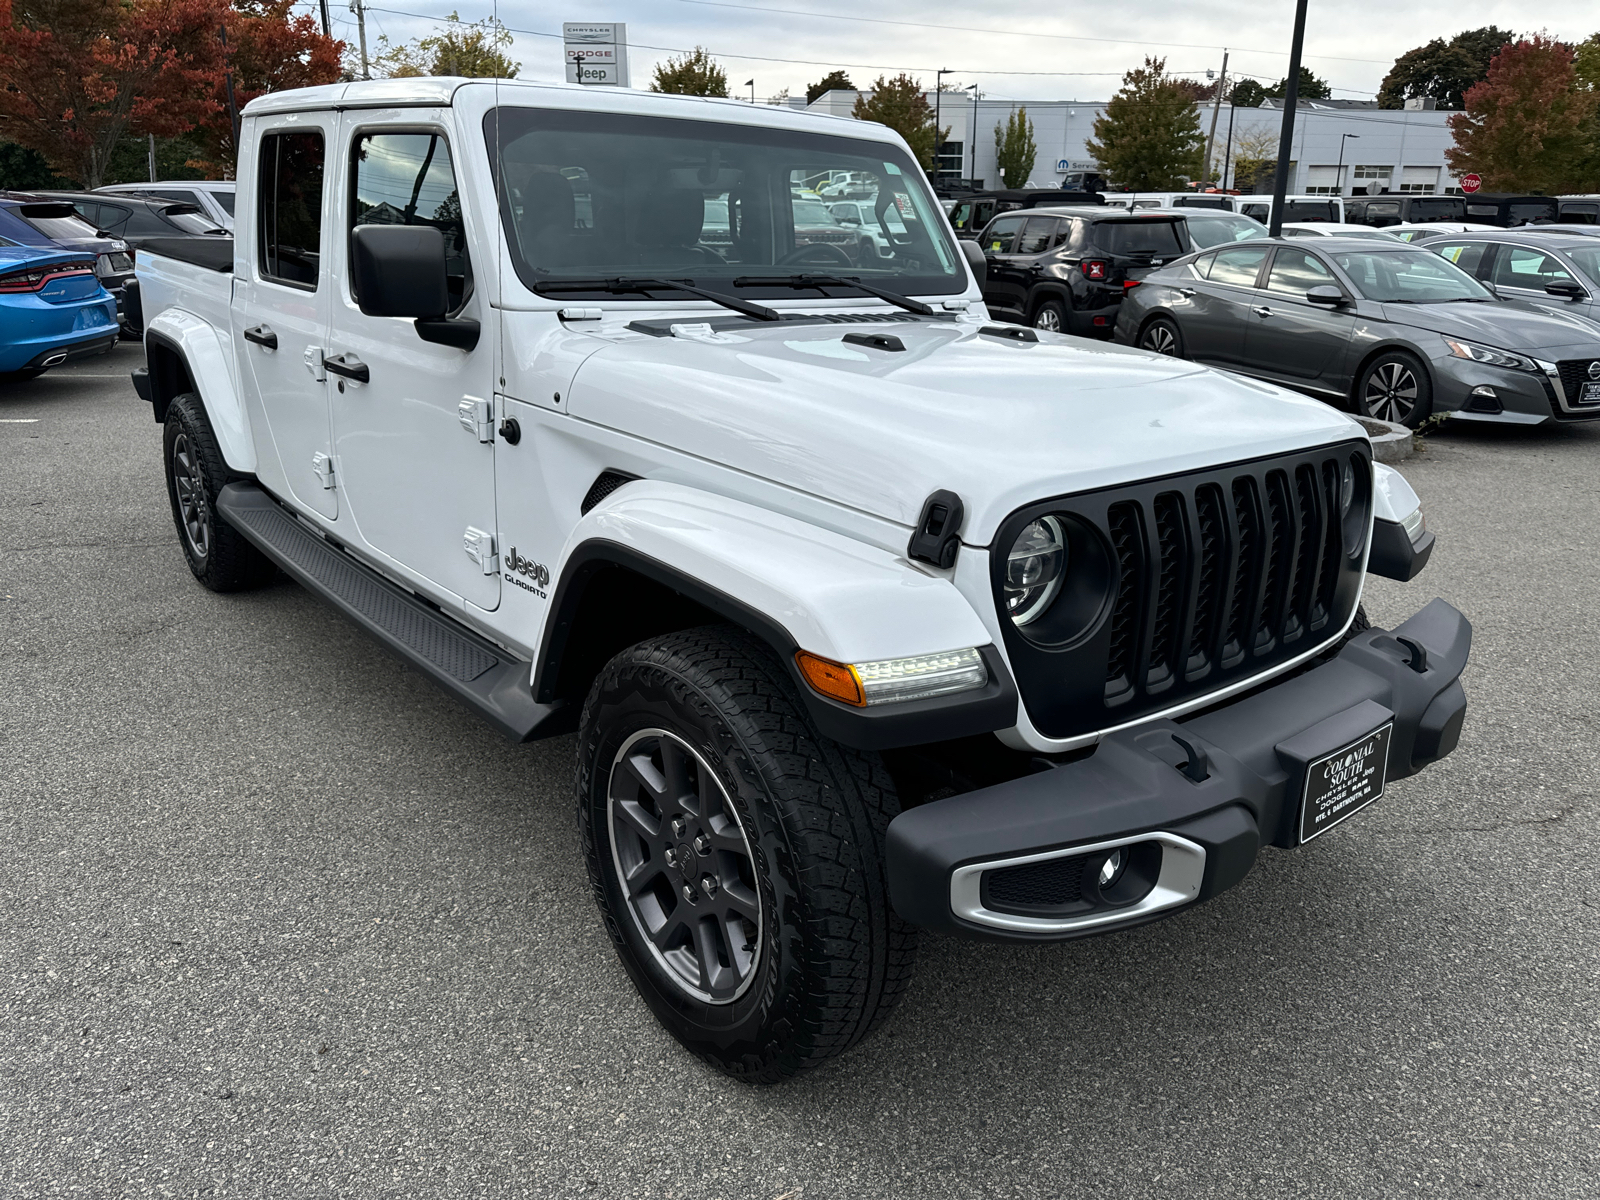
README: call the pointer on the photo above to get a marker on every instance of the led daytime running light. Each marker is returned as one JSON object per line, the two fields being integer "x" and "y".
{"x": 895, "y": 680}
{"x": 1495, "y": 358}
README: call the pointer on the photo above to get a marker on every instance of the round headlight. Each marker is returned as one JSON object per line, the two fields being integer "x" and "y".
{"x": 1355, "y": 503}
{"x": 1347, "y": 489}
{"x": 1034, "y": 569}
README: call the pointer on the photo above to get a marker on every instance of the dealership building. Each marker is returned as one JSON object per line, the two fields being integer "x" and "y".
{"x": 1340, "y": 146}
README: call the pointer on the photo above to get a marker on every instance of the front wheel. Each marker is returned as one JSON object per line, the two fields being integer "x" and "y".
{"x": 1395, "y": 387}
{"x": 737, "y": 856}
{"x": 1162, "y": 336}
{"x": 1052, "y": 315}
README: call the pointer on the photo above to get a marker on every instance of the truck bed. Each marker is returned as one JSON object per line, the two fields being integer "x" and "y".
{"x": 173, "y": 284}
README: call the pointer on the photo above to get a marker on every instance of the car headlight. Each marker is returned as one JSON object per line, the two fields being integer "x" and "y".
{"x": 1495, "y": 358}
{"x": 1035, "y": 567}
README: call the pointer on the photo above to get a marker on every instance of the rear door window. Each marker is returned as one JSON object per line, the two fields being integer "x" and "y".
{"x": 1383, "y": 212}
{"x": 1523, "y": 267}
{"x": 1237, "y": 265}
{"x": 1154, "y": 237}
{"x": 289, "y": 207}
{"x": 1296, "y": 272}
{"x": 1036, "y": 235}
{"x": 1001, "y": 235}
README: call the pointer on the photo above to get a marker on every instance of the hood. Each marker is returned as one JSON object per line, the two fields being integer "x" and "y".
{"x": 1506, "y": 325}
{"x": 1000, "y": 422}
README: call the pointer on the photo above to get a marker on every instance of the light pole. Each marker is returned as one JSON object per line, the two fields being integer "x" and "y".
{"x": 1338, "y": 172}
{"x": 938, "y": 130}
{"x": 751, "y": 84}
{"x": 1280, "y": 181}
{"x": 972, "y": 136}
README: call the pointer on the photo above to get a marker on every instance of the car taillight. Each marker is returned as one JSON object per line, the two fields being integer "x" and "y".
{"x": 33, "y": 280}
{"x": 1094, "y": 268}
{"x": 1130, "y": 283}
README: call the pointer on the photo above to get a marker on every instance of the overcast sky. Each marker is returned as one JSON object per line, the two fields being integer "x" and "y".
{"x": 1011, "y": 50}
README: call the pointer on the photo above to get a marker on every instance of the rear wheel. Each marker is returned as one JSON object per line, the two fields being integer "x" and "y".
{"x": 1162, "y": 336}
{"x": 216, "y": 553}
{"x": 1052, "y": 315}
{"x": 1395, "y": 387}
{"x": 737, "y": 856}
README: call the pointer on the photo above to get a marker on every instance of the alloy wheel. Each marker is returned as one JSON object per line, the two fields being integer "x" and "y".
{"x": 1391, "y": 392}
{"x": 193, "y": 508}
{"x": 1160, "y": 339}
{"x": 684, "y": 865}
{"x": 1047, "y": 318}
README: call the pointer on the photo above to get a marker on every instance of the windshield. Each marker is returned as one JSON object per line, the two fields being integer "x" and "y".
{"x": 1208, "y": 231}
{"x": 606, "y": 196}
{"x": 1411, "y": 276}
{"x": 66, "y": 227}
{"x": 225, "y": 199}
{"x": 1158, "y": 236}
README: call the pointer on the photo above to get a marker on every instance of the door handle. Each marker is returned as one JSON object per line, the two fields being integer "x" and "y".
{"x": 1261, "y": 310}
{"x": 262, "y": 336}
{"x": 349, "y": 366}
{"x": 1190, "y": 292}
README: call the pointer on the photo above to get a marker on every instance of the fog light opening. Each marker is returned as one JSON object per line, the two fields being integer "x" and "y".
{"x": 1483, "y": 399}
{"x": 1112, "y": 868}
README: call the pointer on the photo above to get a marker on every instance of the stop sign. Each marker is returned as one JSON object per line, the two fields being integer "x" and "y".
{"x": 1471, "y": 183}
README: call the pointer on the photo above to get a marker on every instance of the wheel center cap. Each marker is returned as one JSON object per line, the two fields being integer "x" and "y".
{"x": 686, "y": 861}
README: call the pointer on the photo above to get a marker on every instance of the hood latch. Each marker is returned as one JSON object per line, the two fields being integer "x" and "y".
{"x": 937, "y": 536}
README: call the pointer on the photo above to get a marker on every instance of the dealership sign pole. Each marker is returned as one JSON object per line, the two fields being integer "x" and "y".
{"x": 1280, "y": 181}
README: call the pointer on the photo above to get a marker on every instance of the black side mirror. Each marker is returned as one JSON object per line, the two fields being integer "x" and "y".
{"x": 399, "y": 271}
{"x": 975, "y": 260}
{"x": 1326, "y": 295}
{"x": 1569, "y": 289}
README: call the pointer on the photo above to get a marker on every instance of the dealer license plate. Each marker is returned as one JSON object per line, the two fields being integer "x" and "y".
{"x": 1341, "y": 784}
{"x": 1590, "y": 393}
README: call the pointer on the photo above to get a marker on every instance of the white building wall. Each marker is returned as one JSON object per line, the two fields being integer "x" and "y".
{"x": 1408, "y": 145}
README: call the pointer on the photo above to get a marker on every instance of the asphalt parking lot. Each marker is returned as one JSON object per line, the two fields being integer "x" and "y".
{"x": 279, "y": 919}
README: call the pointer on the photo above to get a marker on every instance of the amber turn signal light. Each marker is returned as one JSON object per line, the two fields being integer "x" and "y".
{"x": 834, "y": 680}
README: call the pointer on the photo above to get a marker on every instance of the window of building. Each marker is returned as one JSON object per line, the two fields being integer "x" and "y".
{"x": 1374, "y": 179}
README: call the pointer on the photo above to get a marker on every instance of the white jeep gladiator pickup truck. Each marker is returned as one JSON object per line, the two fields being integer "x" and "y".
{"x": 871, "y": 616}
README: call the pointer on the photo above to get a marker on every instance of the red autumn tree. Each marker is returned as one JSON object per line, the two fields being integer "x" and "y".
{"x": 1527, "y": 127}
{"x": 270, "y": 49}
{"x": 75, "y": 75}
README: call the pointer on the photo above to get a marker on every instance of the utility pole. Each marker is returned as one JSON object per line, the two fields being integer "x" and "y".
{"x": 152, "y": 158}
{"x": 1216, "y": 107}
{"x": 361, "y": 28}
{"x": 938, "y": 130}
{"x": 327, "y": 25}
{"x": 1280, "y": 179}
{"x": 1227, "y": 153}
{"x": 972, "y": 136}
{"x": 233, "y": 104}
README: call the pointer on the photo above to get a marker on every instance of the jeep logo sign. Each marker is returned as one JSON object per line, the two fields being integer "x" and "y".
{"x": 538, "y": 572}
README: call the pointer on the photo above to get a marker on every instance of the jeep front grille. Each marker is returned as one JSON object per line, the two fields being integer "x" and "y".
{"x": 1213, "y": 578}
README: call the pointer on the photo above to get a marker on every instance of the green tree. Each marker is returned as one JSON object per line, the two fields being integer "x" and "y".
{"x": 695, "y": 74}
{"x": 1442, "y": 71}
{"x": 1014, "y": 148}
{"x": 474, "y": 49}
{"x": 1529, "y": 127}
{"x": 1247, "y": 93}
{"x": 833, "y": 81}
{"x": 1148, "y": 138}
{"x": 900, "y": 104}
{"x": 1311, "y": 88}
{"x": 1586, "y": 62}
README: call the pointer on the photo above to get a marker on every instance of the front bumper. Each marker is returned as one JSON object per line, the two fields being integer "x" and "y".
{"x": 1191, "y": 825}
{"x": 1473, "y": 391}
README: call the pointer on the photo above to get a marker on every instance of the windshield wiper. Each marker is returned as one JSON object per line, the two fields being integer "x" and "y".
{"x": 821, "y": 281}
{"x": 619, "y": 285}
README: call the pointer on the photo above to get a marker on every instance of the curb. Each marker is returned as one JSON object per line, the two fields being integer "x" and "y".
{"x": 1391, "y": 443}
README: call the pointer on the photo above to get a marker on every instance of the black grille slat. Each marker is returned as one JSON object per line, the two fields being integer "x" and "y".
{"x": 1210, "y": 587}
{"x": 1172, "y": 558}
{"x": 1212, "y": 578}
{"x": 1574, "y": 374}
{"x": 1127, "y": 540}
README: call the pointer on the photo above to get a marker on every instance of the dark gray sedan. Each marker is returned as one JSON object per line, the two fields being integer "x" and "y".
{"x": 1394, "y": 330}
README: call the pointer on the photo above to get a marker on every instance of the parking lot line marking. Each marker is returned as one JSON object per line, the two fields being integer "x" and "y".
{"x": 19, "y": 420}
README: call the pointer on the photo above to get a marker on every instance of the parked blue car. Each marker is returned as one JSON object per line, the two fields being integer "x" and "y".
{"x": 52, "y": 309}
{"x": 32, "y": 220}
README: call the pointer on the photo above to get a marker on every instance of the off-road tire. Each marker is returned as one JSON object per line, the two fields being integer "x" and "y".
{"x": 222, "y": 560}
{"x": 833, "y": 957}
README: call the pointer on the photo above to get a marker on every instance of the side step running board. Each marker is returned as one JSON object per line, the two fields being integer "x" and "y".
{"x": 482, "y": 676}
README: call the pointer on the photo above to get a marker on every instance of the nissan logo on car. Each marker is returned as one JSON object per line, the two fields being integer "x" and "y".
{"x": 1594, "y": 369}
